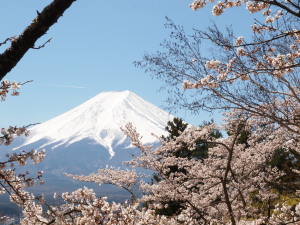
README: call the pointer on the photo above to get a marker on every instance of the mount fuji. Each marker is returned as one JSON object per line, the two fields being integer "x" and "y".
{"x": 99, "y": 120}
{"x": 89, "y": 137}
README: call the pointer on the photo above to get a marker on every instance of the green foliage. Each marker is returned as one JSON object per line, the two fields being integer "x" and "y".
{"x": 288, "y": 161}
{"x": 176, "y": 127}
{"x": 267, "y": 207}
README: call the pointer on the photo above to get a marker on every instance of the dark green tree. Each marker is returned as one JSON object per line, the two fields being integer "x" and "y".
{"x": 200, "y": 152}
{"x": 176, "y": 127}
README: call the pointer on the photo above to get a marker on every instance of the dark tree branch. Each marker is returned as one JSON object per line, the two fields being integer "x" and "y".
{"x": 258, "y": 43}
{"x": 282, "y": 6}
{"x": 39, "y": 27}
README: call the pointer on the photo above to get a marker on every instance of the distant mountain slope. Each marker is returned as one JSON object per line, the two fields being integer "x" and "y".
{"x": 99, "y": 120}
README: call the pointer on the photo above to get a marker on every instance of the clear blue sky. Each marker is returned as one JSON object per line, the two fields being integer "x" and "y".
{"x": 92, "y": 50}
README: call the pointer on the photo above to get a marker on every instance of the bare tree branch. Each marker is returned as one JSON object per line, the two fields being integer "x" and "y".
{"x": 43, "y": 45}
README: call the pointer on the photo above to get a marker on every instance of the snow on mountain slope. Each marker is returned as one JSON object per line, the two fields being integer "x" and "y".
{"x": 100, "y": 119}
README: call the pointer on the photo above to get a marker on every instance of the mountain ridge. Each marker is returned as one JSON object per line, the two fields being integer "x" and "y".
{"x": 100, "y": 119}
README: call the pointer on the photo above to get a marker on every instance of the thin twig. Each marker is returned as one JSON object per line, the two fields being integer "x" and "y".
{"x": 43, "y": 45}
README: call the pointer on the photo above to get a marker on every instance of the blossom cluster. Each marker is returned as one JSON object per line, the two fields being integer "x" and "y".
{"x": 5, "y": 86}
{"x": 8, "y": 134}
{"x": 83, "y": 207}
{"x": 217, "y": 189}
{"x": 125, "y": 179}
{"x": 214, "y": 190}
{"x": 12, "y": 182}
{"x": 219, "y": 8}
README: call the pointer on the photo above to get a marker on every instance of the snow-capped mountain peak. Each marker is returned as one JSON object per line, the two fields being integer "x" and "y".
{"x": 100, "y": 119}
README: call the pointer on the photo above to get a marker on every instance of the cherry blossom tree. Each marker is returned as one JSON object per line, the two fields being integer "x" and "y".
{"x": 217, "y": 190}
{"x": 249, "y": 77}
{"x": 258, "y": 74}
{"x": 11, "y": 181}
{"x": 254, "y": 83}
